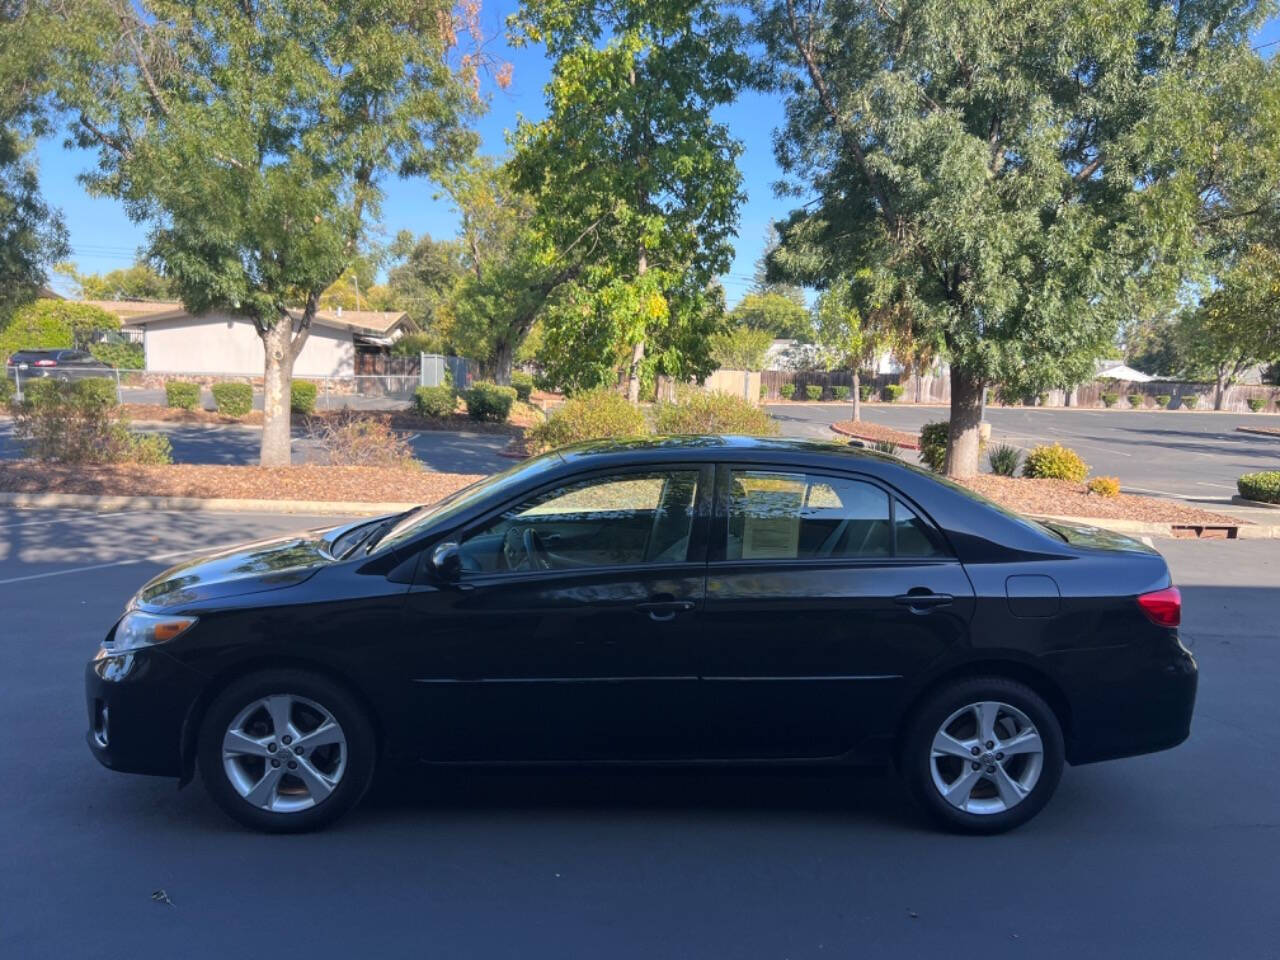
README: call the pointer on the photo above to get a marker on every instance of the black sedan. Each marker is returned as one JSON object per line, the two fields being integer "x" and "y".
{"x": 683, "y": 600}
{"x": 58, "y": 364}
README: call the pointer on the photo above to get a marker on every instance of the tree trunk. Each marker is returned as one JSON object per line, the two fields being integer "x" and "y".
{"x": 502, "y": 360}
{"x": 963, "y": 439}
{"x": 919, "y": 375}
{"x": 857, "y": 395}
{"x": 1219, "y": 390}
{"x": 276, "y": 381}
{"x": 637, "y": 350}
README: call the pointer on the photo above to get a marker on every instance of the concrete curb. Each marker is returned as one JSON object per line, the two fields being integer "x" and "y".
{"x": 1246, "y": 502}
{"x": 1144, "y": 528}
{"x": 1259, "y": 433}
{"x": 837, "y": 429}
{"x": 108, "y": 503}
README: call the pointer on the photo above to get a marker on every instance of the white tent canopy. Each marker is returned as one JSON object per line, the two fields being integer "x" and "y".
{"x": 1126, "y": 373}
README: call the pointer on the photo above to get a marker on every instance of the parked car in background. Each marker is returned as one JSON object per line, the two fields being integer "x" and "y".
{"x": 677, "y": 600}
{"x": 60, "y": 363}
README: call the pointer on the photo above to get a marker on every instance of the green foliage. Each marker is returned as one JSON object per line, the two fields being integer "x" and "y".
{"x": 740, "y": 348}
{"x": 885, "y": 446}
{"x": 122, "y": 355}
{"x": 70, "y": 423}
{"x": 1135, "y": 400}
{"x": 1189, "y": 401}
{"x": 699, "y": 412}
{"x": 1110, "y": 399}
{"x": 435, "y": 403}
{"x": 1154, "y": 347}
{"x": 413, "y": 344}
{"x": 933, "y": 445}
{"x": 842, "y": 393}
{"x": 1256, "y": 404}
{"x": 149, "y": 449}
{"x": 233, "y": 399}
{"x": 1004, "y": 460}
{"x": 1104, "y": 486}
{"x": 1263, "y": 487}
{"x": 302, "y": 397}
{"x": 777, "y": 315}
{"x": 7, "y": 389}
{"x": 813, "y": 391}
{"x": 1163, "y": 399}
{"x": 488, "y": 401}
{"x": 32, "y": 235}
{"x": 138, "y": 282}
{"x": 865, "y": 390}
{"x": 181, "y": 394}
{"x": 787, "y": 391}
{"x": 52, "y": 323}
{"x": 892, "y": 391}
{"x": 36, "y": 393}
{"x": 592, "y": 415}
{"x": 100, "y": 390}
{"x": 522, "y": 383}
{"x": 1055, "y": 462}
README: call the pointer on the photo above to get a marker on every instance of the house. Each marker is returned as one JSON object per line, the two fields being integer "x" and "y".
{"x": 219, "y": 342}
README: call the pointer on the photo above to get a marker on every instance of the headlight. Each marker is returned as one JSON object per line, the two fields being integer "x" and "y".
{"x": 137, "y": 630}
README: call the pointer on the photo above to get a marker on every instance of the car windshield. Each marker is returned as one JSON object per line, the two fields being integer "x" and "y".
{"x": 416, "y": 521}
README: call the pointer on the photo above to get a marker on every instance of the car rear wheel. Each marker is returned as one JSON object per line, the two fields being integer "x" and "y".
{"x": 983, "y": 755}
{"x": 286, "y": 751}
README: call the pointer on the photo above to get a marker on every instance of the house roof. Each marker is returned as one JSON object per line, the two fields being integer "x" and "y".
{"x": 139, "y": 313}
{"x": 131, "y": 311}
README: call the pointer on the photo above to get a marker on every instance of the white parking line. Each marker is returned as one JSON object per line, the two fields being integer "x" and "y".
{"x": 153, "y": 558}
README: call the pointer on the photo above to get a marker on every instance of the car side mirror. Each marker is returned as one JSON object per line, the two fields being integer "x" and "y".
{"x": 446, "y": 562}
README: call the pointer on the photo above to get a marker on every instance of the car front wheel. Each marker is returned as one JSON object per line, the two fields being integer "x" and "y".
{"x": 286, "y": 751}
{"x": 983, "y": 755}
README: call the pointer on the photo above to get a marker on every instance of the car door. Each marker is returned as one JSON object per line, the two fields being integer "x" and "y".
{"x": 568, "y": 633}
{"x": 824, "y": 593}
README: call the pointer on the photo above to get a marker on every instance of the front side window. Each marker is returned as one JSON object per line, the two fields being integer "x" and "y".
{"x": 606, "y": 521}
{"x": 798, "y": 516}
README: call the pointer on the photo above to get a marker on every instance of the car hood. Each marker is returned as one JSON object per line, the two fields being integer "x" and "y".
{"x": 1095, "y": 538}
{"x": 251, "y": 568}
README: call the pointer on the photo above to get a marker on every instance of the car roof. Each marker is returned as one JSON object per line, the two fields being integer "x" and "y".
{"x": 715, "y": 448}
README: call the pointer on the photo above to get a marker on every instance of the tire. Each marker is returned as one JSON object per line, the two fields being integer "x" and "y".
{"x": 316, "y": 772}
{"x": 993, "y": 791}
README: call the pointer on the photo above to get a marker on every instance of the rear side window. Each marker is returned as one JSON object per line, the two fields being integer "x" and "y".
{"x": 797, "y": 516}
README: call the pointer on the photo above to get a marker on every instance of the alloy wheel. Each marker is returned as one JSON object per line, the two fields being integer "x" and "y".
{"x": 986, "y": 758}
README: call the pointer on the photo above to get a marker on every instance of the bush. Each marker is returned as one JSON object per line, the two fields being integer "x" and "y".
{"x": 697, "y": 412}
{"x": 1263, "y": 487}
{"x": 122, "y": 356}
{"x": 96, "y": 390}
{"x": 302, "y": 397}
{"x": 1135, "y": 400}
{"x": 435, "y": 402}
{"x": 1163, "y": 400}
{"x": 52, "y": 323}
{"x": 488, "y": 401}
{"x": 740, "y": 348}
{"x": 233, "y": 399}
{"x": 1104, "y": 486}
{"x": 933, "y": 445}
{"x": 813, "y": 391}
{"x": 7, "y": 389}
{"x": 39, "y": 391}
{"x": 1004, "y": 460}
{"x": 600, "y": 414}
{"x": 522, "y": 383}
{"x": 1189, "y": 402}
{"x": 1255, "y": 403}
{"x": 1055, "y": 462}
{"x": 149, "y": 449}
{"x": 181, "y": 394}
{"x": 841, "y": 393}
{"x": 892, "y": 392}
{"x": 788, "y": 390}
{"x": 351, "y": 439}
{"x": 864, "y": 391}
{"x": 885, "y": 446}
{"x": 1109, "y": 399}
{"x": 65, "y": 423}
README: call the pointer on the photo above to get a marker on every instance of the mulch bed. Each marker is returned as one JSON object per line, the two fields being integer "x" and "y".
{"x": 522, "y": 416}
{"x": 357, "y": 484}
{"x": 874, "y": 432}
{"x": 1063, "y": 498}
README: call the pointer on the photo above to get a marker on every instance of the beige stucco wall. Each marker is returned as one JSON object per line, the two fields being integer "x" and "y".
{"x": 218, "y": 343}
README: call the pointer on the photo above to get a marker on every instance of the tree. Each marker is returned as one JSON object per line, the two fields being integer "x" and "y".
{"x": 777, "y": 314}
{"x": 740, "y": 348}
{"x": 1238, "y": 325}
{"x": 424, "y": 285}
{"x": 138, "y": 282}
{"x": 53, "y": 323}
{"x": 851, "y": 339}
{"x": 761, "y": 282}
{"x": 1153, "y": 347}
{"x": 633, "y": 178}
{"x": 1008, "y": 174}
{"x": 254, "y": 138}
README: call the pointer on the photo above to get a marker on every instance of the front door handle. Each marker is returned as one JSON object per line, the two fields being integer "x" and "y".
{"x": 924, "y": 602}
{"x": 664, "y": 610}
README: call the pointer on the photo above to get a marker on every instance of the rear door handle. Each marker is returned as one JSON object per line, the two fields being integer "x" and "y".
{"x": 664, "y": 610}
{"x": 923, "y": 602}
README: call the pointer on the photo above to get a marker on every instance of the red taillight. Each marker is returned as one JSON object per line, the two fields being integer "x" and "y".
{"x": 1163, "y": 607}
{"x": 45, "y": 363}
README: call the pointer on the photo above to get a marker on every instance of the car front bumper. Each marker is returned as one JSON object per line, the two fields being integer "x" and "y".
{"x": 138, "y": 704}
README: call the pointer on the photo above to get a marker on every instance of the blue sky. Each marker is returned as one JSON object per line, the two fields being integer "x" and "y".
{"x": 103, "y": 238}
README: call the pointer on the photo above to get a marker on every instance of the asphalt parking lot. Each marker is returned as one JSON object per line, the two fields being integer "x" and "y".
{"x": 1171, "y": 855}
{"x": 1169, "y": 453}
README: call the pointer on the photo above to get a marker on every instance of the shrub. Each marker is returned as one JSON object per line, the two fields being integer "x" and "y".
{"x": 522, "y": 383}
{"x": 1004, "y": 460}
{"x": 435, "y": 402}
{"x": 1055, "y": 462}
{"x": 885, "y": 446}
{"x": 740, "y": 348}
{"x": 841, "y": 393}
{"x": 595, "y": 415}
{"x": 181, "y": 394}
{"x": 1256, "y": 403}
{"x": 1042, "y": 399}
{"x": 1190, "y": 401}
{"x": 892, "y": 392}
{"x": 149, "y": 449}
{"x": 96, "y": 390}
{"x": 52, "y": 323}
{"x": 1163, "y": 400}
{"x": 233, "y": 399}
{"x": 1109, "y": 399}
{"x": 63, "y": 423}
{"x": 702, "y": 412}
{"x": 864, "y": 391}
{"x": 7, "y": 389}
{"x": 1135, "y": 400}
{"x": 488, "y": 401}
{"x": 813, "y": 391}
{"x": 302, "y": 397}
{"x": 1104, "y": 486}
{"x": 354, "y": 440}
{"x": 39, "y": 391}
{"x": 1263, "y": 487}
{"x": 122, "y": 356}
{"x": 788, "y": 390}
{"x": 933, "y": 445}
